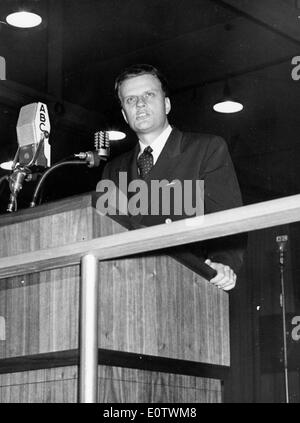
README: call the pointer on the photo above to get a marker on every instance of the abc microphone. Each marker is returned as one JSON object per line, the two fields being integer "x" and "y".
{"x": 33, "y": 129}
{"x": 33, "y": 154}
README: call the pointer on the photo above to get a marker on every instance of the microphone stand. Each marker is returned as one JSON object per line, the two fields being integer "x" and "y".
{"x": 281, "y": 241}
{"x": 16, "y": 179}
{"x": 21, "y": 173}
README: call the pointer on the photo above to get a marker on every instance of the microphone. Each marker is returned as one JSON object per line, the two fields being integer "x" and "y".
{"x": 282, "y": 248}
{"x": 102, "y": 144}
{"x": 102, "y": 152}
{"x": 33, "y": 129}
{"x": 33, "y": 154}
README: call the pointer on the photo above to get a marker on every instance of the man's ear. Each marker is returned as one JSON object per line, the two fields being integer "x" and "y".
{"x": 124, "y": 116}
{"x": 167, "y": 105}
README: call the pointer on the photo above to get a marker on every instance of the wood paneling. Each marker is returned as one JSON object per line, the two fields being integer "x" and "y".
{"x": 128, "y": 385}
{"x": 40, "y": 312}
{"x": 143, "y": 309}
{"x": 156, "y": 306}
{"x": 40, "y": 386}
{"x": 148, "y": 305}
{"x": 115, "y": 385}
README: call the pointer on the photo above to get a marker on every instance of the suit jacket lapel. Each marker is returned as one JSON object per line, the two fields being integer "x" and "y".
{"x": 171, "y": 150}
{"x": 129, "y": 165}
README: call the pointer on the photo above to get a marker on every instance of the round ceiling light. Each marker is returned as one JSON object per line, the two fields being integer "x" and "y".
{"x": 24, "y": 19}
{"x": 116, "y": 135}
{"x": 228, "y": 106}
{"x": 7, "y": 165}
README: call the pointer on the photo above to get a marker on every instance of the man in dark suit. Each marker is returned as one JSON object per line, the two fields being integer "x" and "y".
{"x": 166, "y": 153}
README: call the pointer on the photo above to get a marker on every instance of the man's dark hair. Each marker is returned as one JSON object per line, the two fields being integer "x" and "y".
{"x": 141, "y": 69}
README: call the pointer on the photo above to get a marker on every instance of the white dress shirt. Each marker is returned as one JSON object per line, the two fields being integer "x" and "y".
{"x": 158, "y": 144}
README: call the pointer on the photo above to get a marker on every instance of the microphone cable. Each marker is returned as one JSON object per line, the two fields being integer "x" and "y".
{"x": 90, "y": 158}
{"x": 61, "y": 163}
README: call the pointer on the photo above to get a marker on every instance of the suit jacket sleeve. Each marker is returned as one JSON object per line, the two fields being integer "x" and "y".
{"x": 221, "y": 192}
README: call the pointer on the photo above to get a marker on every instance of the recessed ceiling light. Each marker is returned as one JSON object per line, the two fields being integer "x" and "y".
{"x": 24, "y": 19}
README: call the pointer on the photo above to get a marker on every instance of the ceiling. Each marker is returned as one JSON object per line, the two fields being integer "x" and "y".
{"x": 72, "y": 59}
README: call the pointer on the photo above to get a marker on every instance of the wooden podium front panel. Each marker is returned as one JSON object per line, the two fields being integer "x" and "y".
{"x": 142, "y": 309}
{"x": 121, "y": 385}
{"x": 46, "y": 231}
{"x": 115, "y": 385}
{"x": 40, "y": 312}
{"x": 58, "y": 385}
{"x": 62, "y": 223}
{"x": 154, "y": 305}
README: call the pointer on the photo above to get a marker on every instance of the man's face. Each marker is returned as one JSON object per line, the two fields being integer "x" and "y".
{"x": 144, "y": 105}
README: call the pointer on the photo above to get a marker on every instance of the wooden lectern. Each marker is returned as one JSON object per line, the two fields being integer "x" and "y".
{"x": 163, "y": 331}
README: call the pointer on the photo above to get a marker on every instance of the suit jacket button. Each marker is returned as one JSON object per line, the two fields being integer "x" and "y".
{"x": 168, "y": 220}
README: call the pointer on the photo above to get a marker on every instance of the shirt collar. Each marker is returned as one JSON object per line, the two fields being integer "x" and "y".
{"x": 158, "y": 144}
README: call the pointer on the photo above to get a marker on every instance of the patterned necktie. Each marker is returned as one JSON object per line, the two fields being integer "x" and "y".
{"x": 145, "y": 162}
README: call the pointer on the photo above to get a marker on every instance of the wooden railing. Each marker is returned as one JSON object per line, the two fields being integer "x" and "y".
{"x": 238, "y": 220}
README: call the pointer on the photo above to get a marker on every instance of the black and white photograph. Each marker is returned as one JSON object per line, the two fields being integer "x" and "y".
{"x": 149, "y": 204}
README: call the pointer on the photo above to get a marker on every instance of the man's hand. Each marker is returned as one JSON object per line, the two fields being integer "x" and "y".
{"x": 225, "y": 278}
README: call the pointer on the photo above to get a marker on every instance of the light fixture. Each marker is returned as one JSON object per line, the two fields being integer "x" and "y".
{"x": 227, "y": 104}
{"x": 23, "y": 19}
{"x": 116, "y": 135}
{"x": 7, "y": 165}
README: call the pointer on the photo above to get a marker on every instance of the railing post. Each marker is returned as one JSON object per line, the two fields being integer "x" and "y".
{"x": 88, "y": 379}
